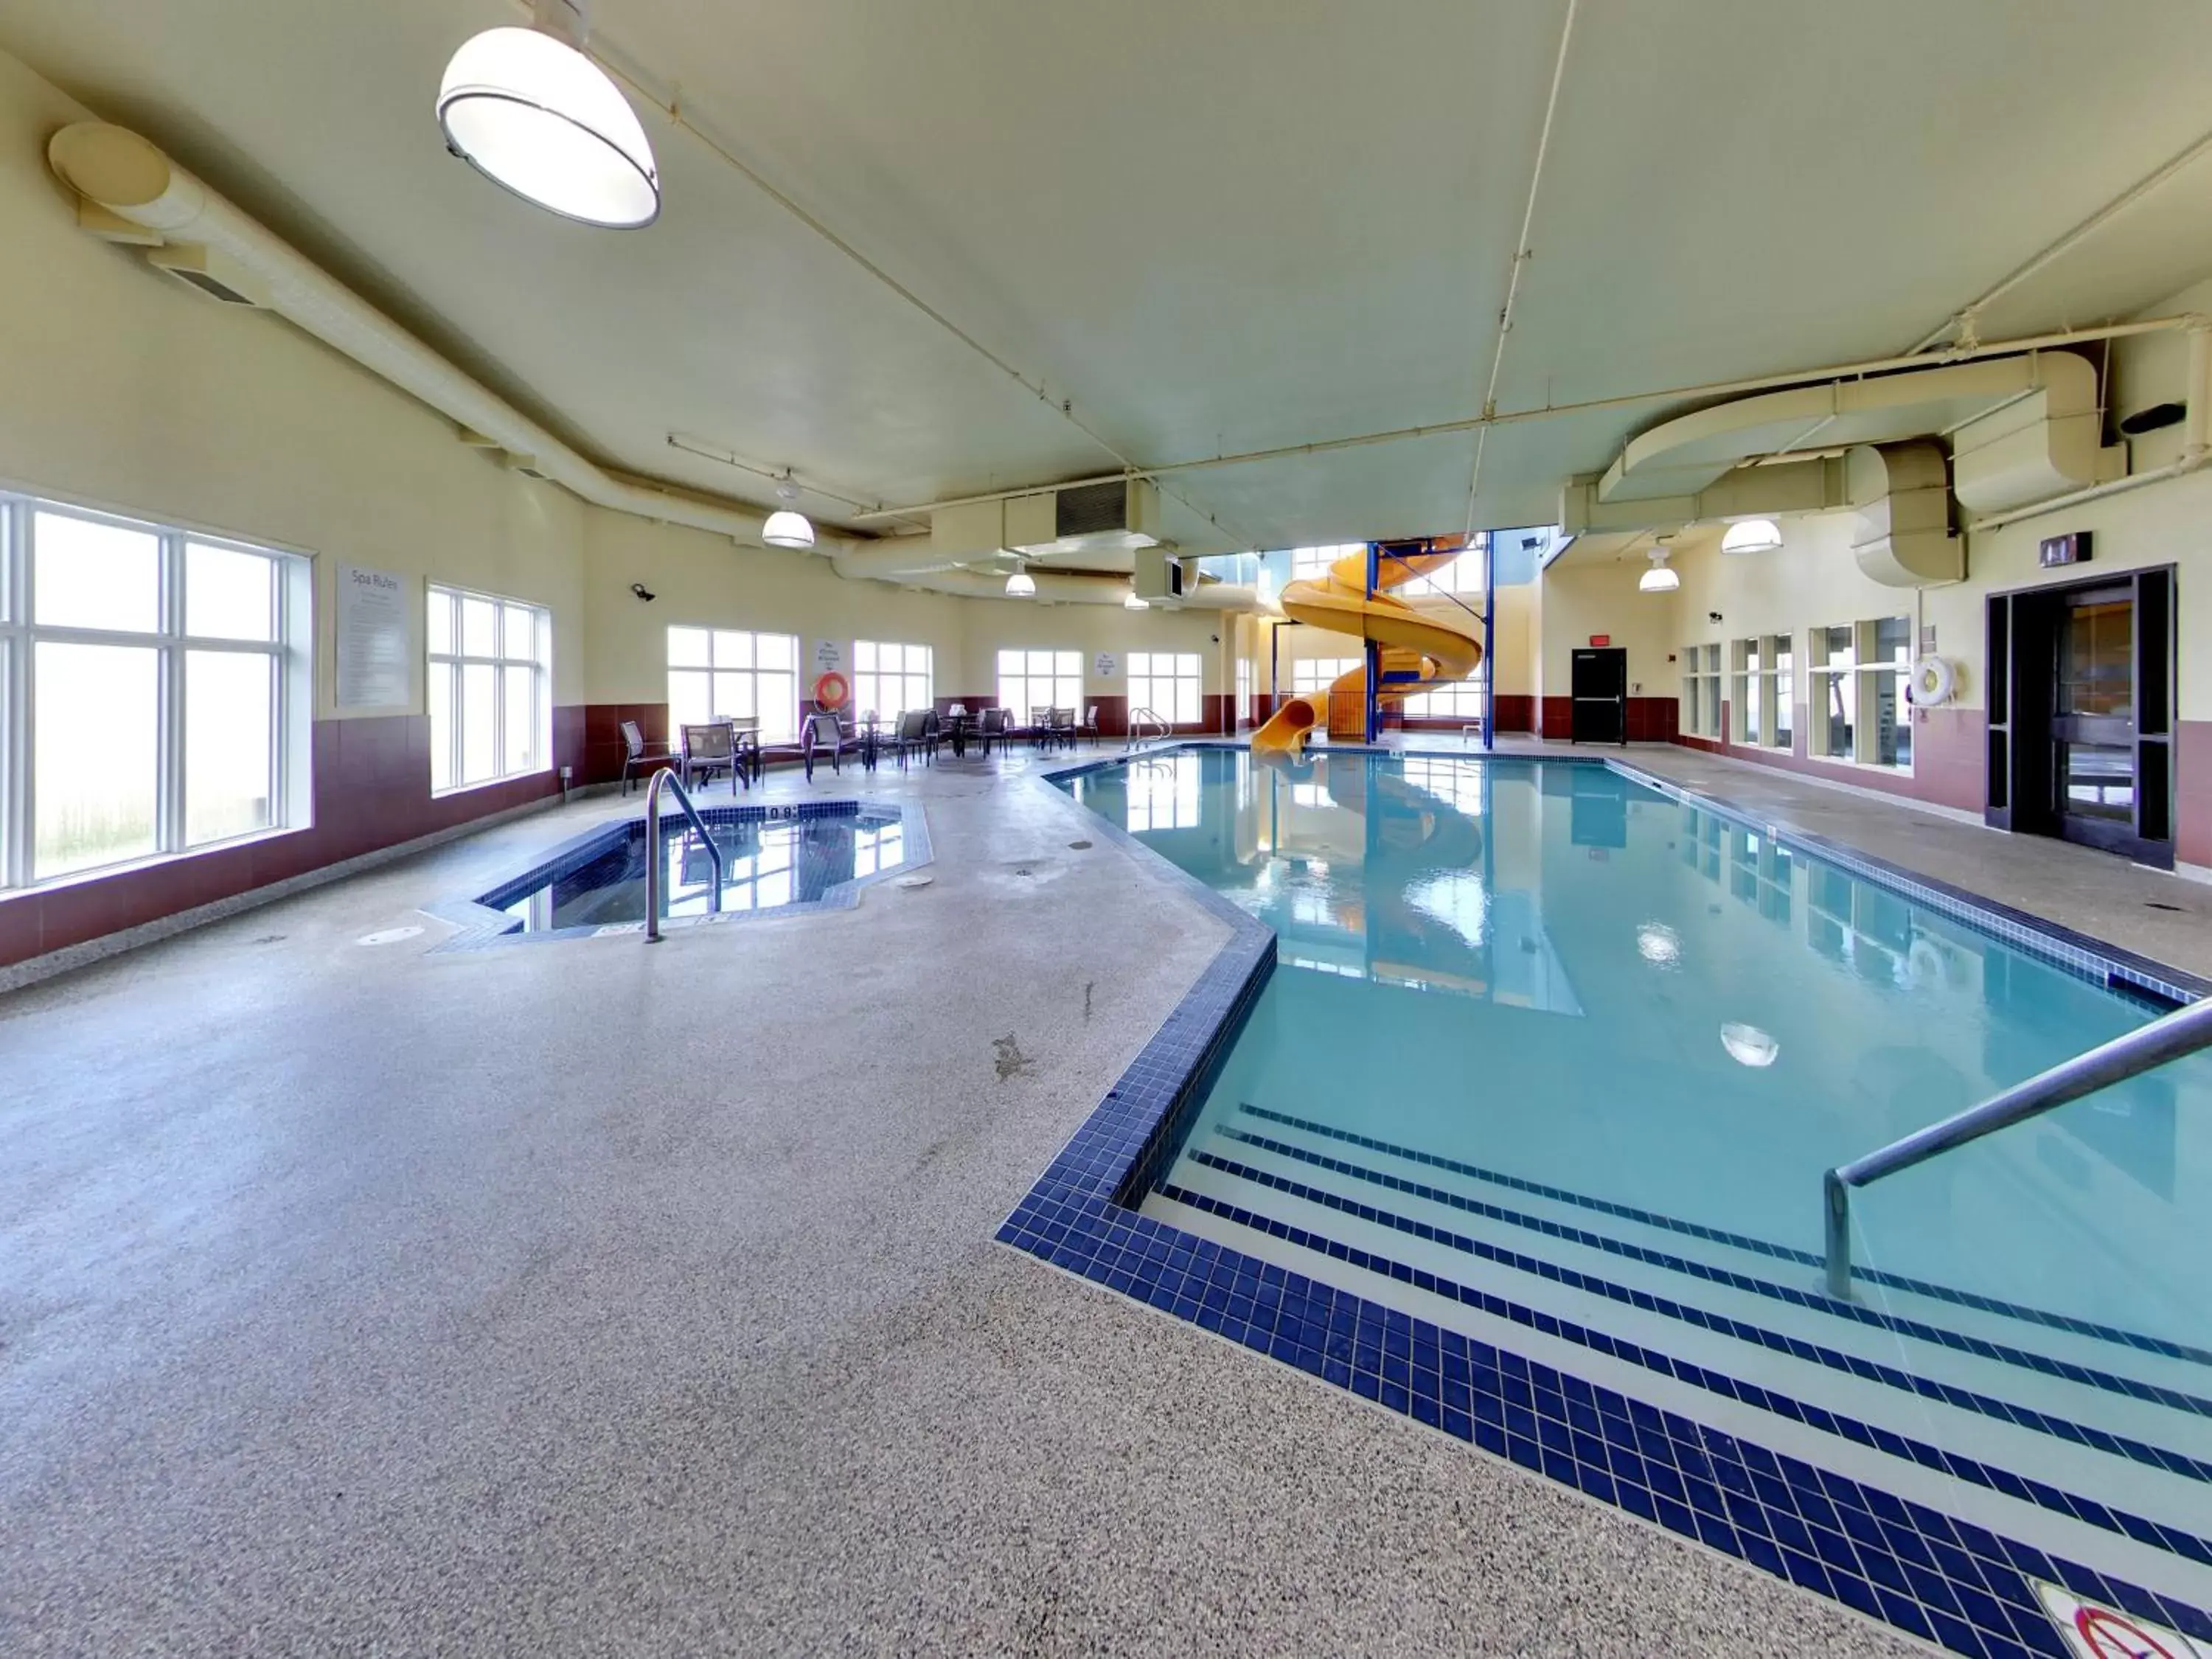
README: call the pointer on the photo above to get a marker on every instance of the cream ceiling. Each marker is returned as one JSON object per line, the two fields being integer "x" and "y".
{"x": 1211, "y": 227}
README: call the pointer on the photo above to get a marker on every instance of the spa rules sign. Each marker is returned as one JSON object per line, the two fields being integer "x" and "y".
{"x": 372, "y": 638}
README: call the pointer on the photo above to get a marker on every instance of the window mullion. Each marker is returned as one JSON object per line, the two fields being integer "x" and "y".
{"x": 169, "y": 755}
{"x": 15, "y": 702}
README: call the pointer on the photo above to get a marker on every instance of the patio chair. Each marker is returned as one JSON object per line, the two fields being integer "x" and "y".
{"x": 826, "y": 738}
{"x": 638, "y": 760}
{"x": 991, "y": 726}
{"x": 1090, "y": 724}
{"x": 913, "y": 737}
{"x": 710, "y": 749}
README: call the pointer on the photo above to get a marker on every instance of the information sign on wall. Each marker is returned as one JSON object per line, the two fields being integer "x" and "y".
{"x": 373, "y": 653}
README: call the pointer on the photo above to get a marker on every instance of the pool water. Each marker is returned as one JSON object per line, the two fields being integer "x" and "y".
{"x": 767, "y": 865}
{"x": 1542, "y": 1034}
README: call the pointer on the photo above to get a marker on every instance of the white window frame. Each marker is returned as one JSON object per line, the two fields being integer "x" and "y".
{"x": 288, "y": 649}
{"x": 1460, "y": 700}
{"x": 1244, "y": 691}
{"x": 1701, "y": 690}
{"x": 1020, "y": 677}
{"x": 535, "y": 652}
{"x": 1313, "y": 676}
{"x": 1762, "y": 692}
{"x": 890, "y": 692}
{"x": 1171, "y": 684}
{"x": 1311, "y": 563}
{"x": 785, "y": 729}
{"x": 1858, "y": 685}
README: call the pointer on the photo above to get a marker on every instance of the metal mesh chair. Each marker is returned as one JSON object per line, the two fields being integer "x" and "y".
{"x": 825, "y": 738}
{"x": 710, "y": 749}
{"x": 640, "y": 761}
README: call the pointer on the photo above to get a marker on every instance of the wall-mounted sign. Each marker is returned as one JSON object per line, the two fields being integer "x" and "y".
{"x": 372, "y": 638}
{"x": 829, "y": 656}
{"x": 1105, "y": 666}
{"x": 2064, "y": 550}
{"x": 1601, "y": 640}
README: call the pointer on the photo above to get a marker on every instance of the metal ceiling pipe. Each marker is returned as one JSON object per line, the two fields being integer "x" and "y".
{"x": 1062, "y": 587}
{"x": 130, "y": 178}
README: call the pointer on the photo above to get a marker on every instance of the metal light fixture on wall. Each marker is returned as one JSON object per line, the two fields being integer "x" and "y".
{"x": 1021, "y": 584}
{"x": 786, "y": 527}
{"x": 528, "y": 109}
{"x": 1752, "y": 536}
{"x": 1660, "y": 579}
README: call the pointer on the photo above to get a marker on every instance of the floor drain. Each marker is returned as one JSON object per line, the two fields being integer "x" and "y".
{"x": 1078, "y": 846}
{"x": 388, "y": 936}
{"x": 2159, "y": 905}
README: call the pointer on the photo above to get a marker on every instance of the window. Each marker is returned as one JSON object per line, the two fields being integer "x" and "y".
{"x": 1032, "y": 680}
{"x": 1312, "y": 563}
{"x": 723, "y": 673}
{"x": 890, "y": 679}
{"x": 1167, "y": 682}
{"x": 1463, "y": 575}
{"x": 1318, "y": 673}
{"x": 1460, "y": 702}
{"x": 491, "y": 714}
{"x": 1244, "y": 691}
{"x": 1701, "y": 691}
{"x": 1761, "y": 689}
{"x": 1860, "y": 709}
{"x": 155, "y": 692}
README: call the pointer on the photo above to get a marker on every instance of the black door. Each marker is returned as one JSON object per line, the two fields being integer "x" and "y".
{"x": 2080, "y": 714}
{"x": 1600, "y": 695}
{"x": 2093, "y": 718}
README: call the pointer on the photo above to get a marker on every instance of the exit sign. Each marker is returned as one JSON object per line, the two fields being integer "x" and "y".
{"x": 1600, "y": 639}
{"x": 2064, "y": 550}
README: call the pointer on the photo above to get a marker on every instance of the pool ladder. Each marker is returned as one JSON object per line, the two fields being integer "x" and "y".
{"x": 1140, "y": 717}
{"x": 664, "y": 776}
{"x": 2183, "y": 1031}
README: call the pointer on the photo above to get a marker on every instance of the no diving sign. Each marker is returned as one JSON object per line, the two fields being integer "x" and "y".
{"x": 2094, "y": 1631}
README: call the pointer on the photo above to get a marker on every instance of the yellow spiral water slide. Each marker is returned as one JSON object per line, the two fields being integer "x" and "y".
{"x": 1421, "y": 650}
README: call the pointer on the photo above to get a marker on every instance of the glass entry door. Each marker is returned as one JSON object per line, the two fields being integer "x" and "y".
{"x": 2093, "y": 722}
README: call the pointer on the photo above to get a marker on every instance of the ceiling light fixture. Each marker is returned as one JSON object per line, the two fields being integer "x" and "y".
{"x": 1135, "y": 601}
{"x": 1659, "y": 579}
{"x": 528, "y": 109}
{"x": 786, "y": 526}
{"x": 1752, "y": 536}
{"x": 1021, "y": 584}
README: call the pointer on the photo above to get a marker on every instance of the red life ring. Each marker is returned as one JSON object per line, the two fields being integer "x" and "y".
{"x": 831, "y": 690}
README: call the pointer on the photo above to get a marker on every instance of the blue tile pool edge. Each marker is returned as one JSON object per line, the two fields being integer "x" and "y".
{"x": 1079, "y": 1217}
{"x": 483, "y": 922}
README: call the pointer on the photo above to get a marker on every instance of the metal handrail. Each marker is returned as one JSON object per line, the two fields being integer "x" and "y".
{"x": 653, "y": 850}
{"x": 1137, "y": 717}
{"x": 2171, "y": 1036}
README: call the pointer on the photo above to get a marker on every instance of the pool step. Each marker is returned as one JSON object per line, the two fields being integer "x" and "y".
{"x": 2146, "y": 1455}
{"x": 2045, "y": 1342}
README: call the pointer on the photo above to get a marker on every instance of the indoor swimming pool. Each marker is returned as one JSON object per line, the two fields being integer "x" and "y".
{"x": 1541, "y": 1091}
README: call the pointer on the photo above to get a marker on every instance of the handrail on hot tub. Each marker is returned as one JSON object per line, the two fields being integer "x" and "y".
{"x": 2171, "y": 1036}
{"x": 653, "y": 851}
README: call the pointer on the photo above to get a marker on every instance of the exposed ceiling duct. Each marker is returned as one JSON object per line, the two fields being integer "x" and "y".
{"x": 1901, "y": 533}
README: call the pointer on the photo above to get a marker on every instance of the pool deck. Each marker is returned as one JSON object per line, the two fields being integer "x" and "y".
{"x": 614, "y": 1299}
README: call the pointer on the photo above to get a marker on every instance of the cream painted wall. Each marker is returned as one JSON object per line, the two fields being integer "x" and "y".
{"x": 706, "y": 580}
{"x": 124, "y": 390}
{"x": 1581, "y": 599}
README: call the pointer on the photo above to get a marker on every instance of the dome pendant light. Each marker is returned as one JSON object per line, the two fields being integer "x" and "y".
{"x": 1752, "y": 536}
{"x": 786, "y": 527}
{"x": 1659, "y": 579}
{"x": 528, "y": 109}
{"x": 1021, "y": 584}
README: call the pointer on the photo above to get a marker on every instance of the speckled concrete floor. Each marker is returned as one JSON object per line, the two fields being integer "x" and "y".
{"x": 592, "y": 1299}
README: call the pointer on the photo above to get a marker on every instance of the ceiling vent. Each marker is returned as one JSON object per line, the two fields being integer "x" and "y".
{"x": 1114, "y": 517}
{"x": 212, "y": 273}
{"x": 1901, "y": 533}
